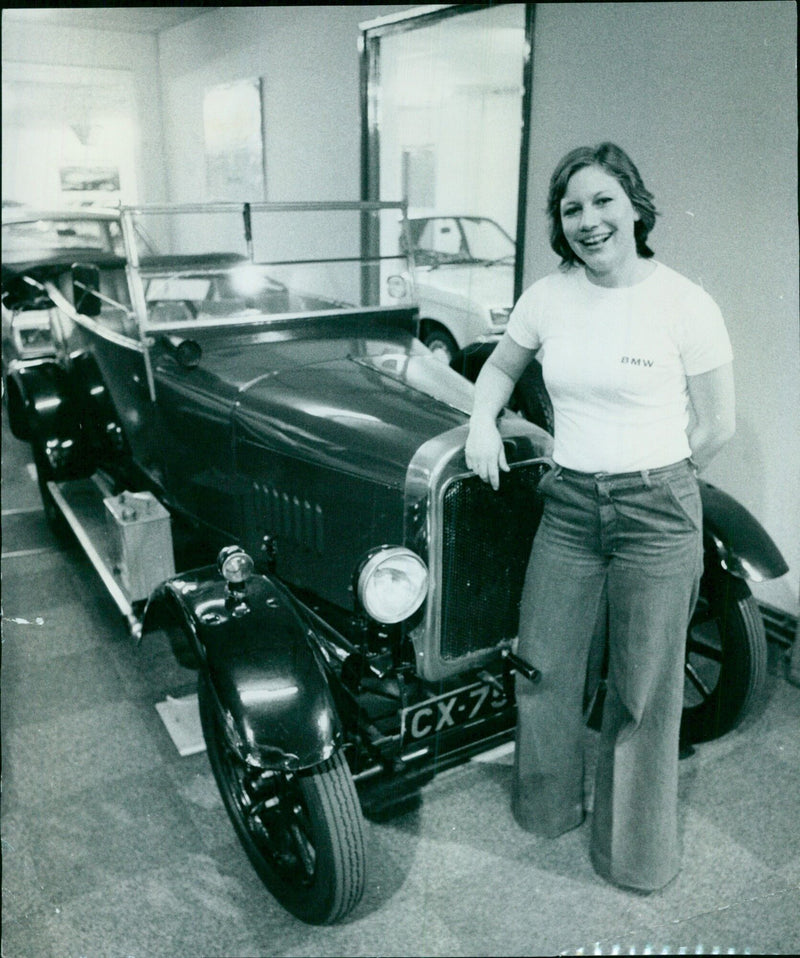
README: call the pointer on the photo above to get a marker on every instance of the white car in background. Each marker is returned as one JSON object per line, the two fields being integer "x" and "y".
{"x": 464, "y": 276}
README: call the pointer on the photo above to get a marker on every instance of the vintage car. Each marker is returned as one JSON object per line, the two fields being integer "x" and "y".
{"x": 266, "y": 465}
{"x": 464, "y": 273}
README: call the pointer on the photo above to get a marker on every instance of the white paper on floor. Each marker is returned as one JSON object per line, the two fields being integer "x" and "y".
{"x": 181, "y": 718}
{"x": 501, "y": 755}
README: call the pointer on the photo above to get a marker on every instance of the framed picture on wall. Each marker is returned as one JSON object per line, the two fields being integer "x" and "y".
{"x": 88, "y": 185}
{"x": 233, "y": 126}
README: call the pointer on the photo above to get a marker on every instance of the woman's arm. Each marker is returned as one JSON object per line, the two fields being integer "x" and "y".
{"x": 713, "y": 421}
{"x": 484, "y": 449}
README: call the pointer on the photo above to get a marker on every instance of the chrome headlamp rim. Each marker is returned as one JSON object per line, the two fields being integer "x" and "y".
{"x": 371, "y": 565}
{"x": 235, "y": 565}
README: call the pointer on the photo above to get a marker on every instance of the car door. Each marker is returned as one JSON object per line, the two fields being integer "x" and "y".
{"x": 193, "y": 409}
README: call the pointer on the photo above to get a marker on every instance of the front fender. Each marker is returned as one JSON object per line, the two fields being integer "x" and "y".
{"x": 736, "y": 537}
{"x": 270, "y": 687}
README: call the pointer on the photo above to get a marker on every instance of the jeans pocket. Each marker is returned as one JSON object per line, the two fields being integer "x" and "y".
{"x": 546, "y": 480}
{"x": 685, "y": 494}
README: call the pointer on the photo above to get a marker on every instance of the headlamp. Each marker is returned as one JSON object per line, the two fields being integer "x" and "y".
{"x": 235, "y": 565}
{"x": 248, "y": 280}
{"x": 500, "y": 315}
{"x": 392, "y": 584}
{"x": 397, "y": 287}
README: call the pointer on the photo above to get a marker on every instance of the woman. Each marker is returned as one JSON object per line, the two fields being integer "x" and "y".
{"x": 638, "y": 365}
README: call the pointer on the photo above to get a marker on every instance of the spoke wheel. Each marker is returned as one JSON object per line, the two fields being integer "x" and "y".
{"x": 726, "y": 658}
{"x": 303, "y": 832}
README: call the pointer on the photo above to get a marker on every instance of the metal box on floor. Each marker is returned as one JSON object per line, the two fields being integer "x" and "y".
{"x": 140, "y": 542}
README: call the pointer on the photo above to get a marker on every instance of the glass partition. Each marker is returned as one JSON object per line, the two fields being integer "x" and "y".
{"x": 444, "y": 127}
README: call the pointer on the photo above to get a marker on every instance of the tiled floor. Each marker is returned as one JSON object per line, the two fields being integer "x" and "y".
{"x": 113, "y": 845}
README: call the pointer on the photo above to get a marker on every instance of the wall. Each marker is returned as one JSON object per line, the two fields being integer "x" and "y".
{"x": 704, "y": 97}
{"x": 27, "y": 45}
{"x": 309, "y": 58}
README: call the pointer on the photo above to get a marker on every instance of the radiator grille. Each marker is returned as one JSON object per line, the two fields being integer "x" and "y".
{"x": 486, "y": 541}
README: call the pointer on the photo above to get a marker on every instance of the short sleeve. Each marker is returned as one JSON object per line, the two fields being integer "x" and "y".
{"x": 705, "y": 344}
{"x": 524, "y": 323}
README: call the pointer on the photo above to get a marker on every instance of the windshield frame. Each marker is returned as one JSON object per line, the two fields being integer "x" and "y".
{"x": 141, "y": 273}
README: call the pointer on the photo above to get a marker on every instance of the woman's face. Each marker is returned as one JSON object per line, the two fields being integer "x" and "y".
{"x": 598, "y": 218}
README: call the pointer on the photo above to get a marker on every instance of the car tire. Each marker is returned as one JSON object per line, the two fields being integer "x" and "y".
{"x": 530, "y": 396}
{"x": 45, "y": 473}
{"x": 726, "y": 658}
{"x": 441, "y": 344}
{"x": 303, "y": 832}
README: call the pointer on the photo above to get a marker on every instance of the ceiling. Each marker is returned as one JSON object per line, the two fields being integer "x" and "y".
{"x": 119, "y": 18}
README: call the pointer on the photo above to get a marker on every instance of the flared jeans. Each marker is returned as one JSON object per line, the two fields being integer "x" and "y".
{"x": 626, "y": 548}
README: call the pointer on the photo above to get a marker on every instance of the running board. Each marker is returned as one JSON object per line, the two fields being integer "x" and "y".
{"x": 81, "y": 503}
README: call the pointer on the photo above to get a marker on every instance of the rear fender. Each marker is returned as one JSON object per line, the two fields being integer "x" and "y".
{"x": 17, "y": 419}
{"x": 737, "y": 539}
{"x": 270, "y": 687}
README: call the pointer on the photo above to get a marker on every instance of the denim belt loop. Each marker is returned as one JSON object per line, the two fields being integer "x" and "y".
{"x": 646, "y": 478}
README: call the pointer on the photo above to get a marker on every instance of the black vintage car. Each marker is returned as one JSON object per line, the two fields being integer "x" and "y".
{"x": 257, "y": 395}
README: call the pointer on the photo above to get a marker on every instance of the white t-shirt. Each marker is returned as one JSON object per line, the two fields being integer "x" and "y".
{"x": 615, "y": 362}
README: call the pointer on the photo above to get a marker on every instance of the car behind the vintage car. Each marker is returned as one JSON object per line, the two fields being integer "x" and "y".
{"x": 32, "y": 238}
{"x": 259, "y": 392}
{"x": 464, "y": 276}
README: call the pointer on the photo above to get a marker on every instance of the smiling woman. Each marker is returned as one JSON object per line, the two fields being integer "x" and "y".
{"x": 598, "y": 221}
{"x": 629, "y": 349}
{"x": 593, "y": 192}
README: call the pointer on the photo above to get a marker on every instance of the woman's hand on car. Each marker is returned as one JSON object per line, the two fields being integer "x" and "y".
{"x": 484, "y": 452}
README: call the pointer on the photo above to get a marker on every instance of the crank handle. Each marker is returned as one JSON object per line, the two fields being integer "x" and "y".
{"x": 515, "y": 664}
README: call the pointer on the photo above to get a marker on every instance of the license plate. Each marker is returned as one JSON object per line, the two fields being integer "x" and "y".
{"x": 450, "y": 710}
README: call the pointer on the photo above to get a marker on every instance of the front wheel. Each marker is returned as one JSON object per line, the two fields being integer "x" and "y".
{"x": 303, "y": 832}
{"x": 726, "y": 658}
{"x": 441, "y": 344}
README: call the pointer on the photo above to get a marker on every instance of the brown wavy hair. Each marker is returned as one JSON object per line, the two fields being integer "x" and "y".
{"x": 616, "y": 162}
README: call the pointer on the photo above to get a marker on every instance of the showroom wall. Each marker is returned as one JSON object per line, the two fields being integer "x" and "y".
{"x": 702, "y": 94}
{"x": 308, "y": 57}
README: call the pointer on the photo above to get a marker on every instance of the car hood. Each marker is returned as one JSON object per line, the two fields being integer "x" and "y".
{"x": 366, "y": 415}
{"x": 490, "y": 286}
